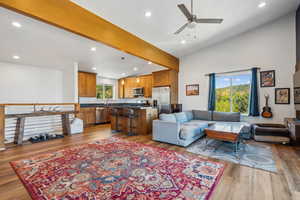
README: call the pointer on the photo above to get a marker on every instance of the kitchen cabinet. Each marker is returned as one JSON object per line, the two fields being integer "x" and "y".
{"x": 162, "y": 78}
{"x": 87, "y": 84}
{"x": 167, "y": 78}
{"x": 146, "y": 83}
{"x": 88, "y": 115}
{"x": 121, "y": 88}
{"x": 130, "y": 83}
{"x": 126, "y": 86}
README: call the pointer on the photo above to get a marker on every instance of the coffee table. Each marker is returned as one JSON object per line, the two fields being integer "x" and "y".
{"x": 228, "y": 132}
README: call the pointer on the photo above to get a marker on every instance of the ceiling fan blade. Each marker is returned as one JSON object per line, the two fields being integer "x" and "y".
{"x": 185, "y": 11}
{"x": 209, "y": 21}
{"x": 181, "y": 29}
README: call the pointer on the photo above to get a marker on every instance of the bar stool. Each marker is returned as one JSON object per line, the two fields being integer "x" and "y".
{"x": 132, "y": 115}
{"x": 115, "y": 113}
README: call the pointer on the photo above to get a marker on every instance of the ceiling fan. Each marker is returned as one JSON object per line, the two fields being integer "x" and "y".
{"x": 192, "y": 19}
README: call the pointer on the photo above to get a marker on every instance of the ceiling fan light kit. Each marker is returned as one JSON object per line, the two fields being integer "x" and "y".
{"x": 192, "y": 19}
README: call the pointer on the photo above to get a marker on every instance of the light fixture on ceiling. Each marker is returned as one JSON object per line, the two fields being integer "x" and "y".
{"x": 123, "y": 74}
{"x": 16, "y": 24}
{"x": 135, "y": 69}
{"x": 262, "y": 4}
{"x": 183, "y": 42}
{"x": 16, "y": 57}
{"x": 94, "y": 68}
{"x": 149, "y": 63}
{"x": 93, "y": 49}
{"x": 192, "y": 25}
{"x": 148, "y": 14}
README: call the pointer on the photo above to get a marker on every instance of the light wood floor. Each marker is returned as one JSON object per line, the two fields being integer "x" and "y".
{"x": 238, "y": 182}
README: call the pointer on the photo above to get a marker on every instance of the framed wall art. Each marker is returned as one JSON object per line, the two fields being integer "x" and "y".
{"x": 192, "y": 90}
{"x": 282, "y": 96}
{"x": 267, "y": 78}
{"x": 297, "y": 95}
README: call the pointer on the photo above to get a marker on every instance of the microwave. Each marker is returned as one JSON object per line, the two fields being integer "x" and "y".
{"x": 138, "y": 92}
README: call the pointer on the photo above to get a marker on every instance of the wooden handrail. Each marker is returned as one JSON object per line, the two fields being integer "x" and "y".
{"x": 2, "y": 128}
{"x": 36, "y": 104}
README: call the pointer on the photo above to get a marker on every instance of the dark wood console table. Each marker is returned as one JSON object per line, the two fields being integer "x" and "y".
{"x": 20, "y": 125}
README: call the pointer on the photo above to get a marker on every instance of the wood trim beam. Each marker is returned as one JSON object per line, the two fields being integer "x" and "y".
{"x": 69, "y": 16}
{"x": 2, "y": 127}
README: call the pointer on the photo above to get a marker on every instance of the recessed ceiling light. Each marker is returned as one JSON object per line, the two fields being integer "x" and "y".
{"x": 123, "y": 74}
{"x": 262, "y": 4}
{"x": 135, "y": 69}
{"x": 16, "y": 24}
{"x": 93, "y": 49}
{"x": 148, "y": 14}
{"x": 16, "y": 57}
{"x": 183, "y": 42}
{"x": 149, "y": 63}
{"x": 94, "y": 68}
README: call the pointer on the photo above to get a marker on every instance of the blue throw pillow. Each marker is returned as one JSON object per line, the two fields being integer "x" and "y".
{"x": 181, "y": 117}
{"x": 167, "y": 117}
{"x": 189, "y": 115}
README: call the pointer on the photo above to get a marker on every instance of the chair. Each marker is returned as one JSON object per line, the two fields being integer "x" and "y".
{"x": 131, "y": 114}
{"x": 115, "y": 113}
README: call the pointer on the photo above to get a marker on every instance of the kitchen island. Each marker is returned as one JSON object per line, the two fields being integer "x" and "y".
{"x": 116, "y": 114}
{"x": 141, "y": 123}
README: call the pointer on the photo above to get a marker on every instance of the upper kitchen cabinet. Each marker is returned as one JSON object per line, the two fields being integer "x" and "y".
{"x": 130, "y": 83}
{"x": 146, "y": 83}
{"x": 164, "y": 78}
{"x": 87, "y": 84}
{"x": 127, "y": 85}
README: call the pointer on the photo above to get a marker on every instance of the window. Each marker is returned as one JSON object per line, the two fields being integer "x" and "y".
{"x": 105, "y": 91}
{"x": 232, "y": 92}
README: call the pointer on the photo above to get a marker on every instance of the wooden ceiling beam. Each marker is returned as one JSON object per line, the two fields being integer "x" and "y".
{"x": 69, "y": 16}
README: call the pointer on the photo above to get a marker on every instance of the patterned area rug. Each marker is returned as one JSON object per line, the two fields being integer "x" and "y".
{"x": 251, "y": 154}
{"x": 118, "y": 169}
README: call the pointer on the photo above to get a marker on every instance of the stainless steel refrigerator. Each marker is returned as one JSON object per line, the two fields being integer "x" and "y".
{"x": 163, "y": 96}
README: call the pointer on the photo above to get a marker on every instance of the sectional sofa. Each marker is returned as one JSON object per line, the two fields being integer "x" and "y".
{"x": 186, "y": 127}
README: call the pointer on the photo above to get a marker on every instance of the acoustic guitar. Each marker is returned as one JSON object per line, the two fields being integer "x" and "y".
{"x": 267, "y": 111}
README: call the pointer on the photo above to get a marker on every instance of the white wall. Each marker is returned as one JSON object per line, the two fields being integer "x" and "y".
{"x": 70, "y": 84}
{"x": 271, "y": 47}
{"x": 27, "y": 84}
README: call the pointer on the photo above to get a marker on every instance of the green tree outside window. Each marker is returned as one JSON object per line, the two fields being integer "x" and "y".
{"x": 232, "y": 93}
{"x": 104, "y": 91}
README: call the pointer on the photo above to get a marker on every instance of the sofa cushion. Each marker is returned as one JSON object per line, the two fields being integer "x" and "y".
{"x": 190, "y": 130}
{"x": 202, "y": 115}
{"x": 226, "y": 116}
{"x": 167, "y": 117}
{"x": 189, "y": 115}
{"x": 181, "y": 117}
{"x": 204, "y": 121}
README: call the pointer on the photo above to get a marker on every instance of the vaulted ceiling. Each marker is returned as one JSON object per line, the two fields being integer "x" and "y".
{"x": 42, "y": 45}
{"x": 239, "y": 16}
